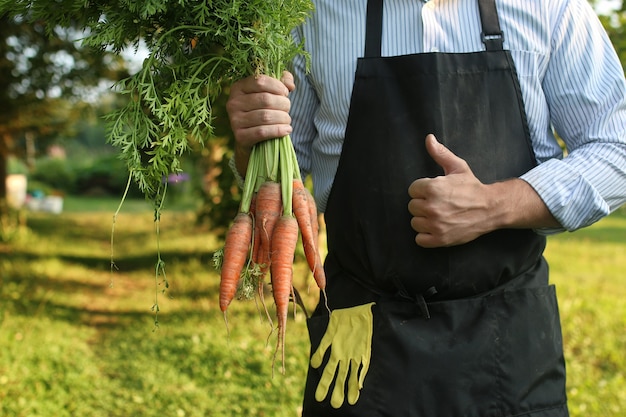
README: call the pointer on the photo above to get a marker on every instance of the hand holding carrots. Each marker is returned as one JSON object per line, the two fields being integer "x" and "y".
{"x": 258, "y": 108}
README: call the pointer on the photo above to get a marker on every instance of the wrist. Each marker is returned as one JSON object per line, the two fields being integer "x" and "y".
{"x": 514, "y": 204}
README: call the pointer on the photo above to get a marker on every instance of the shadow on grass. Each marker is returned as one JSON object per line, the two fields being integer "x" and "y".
{"x": 88, "y": 298}
{"x": 43, "y": 299}
{"x": 70, "y": 227}
{"x": 60, "y": 273}
{"x": 98, "y": 226}
{"x": 125, "y": 263}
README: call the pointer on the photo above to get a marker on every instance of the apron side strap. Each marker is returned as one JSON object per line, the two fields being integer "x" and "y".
{"x": 492, "y": 36}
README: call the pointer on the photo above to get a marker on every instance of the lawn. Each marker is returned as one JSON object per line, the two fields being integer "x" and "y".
{"x": 79, "y": 338}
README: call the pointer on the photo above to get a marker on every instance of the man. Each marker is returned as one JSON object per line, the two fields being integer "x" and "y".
{"x": 428, "y": 129}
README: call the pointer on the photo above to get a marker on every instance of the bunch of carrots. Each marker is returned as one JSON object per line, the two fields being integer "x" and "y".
{"x": 275, "y": 209}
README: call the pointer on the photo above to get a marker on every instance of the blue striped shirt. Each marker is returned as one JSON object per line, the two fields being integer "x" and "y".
{"x": 571, "y": 80}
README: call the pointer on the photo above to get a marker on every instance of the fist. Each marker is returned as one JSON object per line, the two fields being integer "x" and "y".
{"x": 451, "y": 209}
{"x": 258, "y": 108}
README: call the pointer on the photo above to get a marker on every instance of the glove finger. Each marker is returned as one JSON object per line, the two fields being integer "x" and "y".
{"x": 354, "y": 383}
{"x": 336, "y": 399}
{"x": 365, "y": 360}
{"x": 327, "y": 339}
{"x": 365, "y": 367}
{"x": 326, "y": 379}
{"x": 318, "y": 357}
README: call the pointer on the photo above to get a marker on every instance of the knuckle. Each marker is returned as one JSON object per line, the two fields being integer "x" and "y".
{"x": 265, "y": 132}
{"x": 264, "y": 100}
{"x": 265, "y": 117}
{"x": 262, "y": 81}
{"x": 231, "y": 106}
{"x": 236, "y": 122}
{"x": 431, "y": 186}
{"x": 236, "y": 88}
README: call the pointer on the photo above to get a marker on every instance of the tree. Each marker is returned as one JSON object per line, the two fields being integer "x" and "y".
{"x": 44, "y": 75}
{"x": 614, "y": 21}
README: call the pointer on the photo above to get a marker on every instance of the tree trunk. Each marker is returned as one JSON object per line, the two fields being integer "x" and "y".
{"x": 3, "y": 177}
{"x": 4, "y": 205}
{"x": 4, "y": 166}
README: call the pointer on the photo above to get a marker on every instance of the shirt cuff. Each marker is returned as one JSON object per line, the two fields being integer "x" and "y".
{"x": 571, "y": 199}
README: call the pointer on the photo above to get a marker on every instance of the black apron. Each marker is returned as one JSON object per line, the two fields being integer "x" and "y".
{"x": 469, "y": 330}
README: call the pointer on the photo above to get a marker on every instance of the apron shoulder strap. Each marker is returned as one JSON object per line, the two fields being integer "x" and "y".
{"x": 492, "y": 36}
{"x": 374, "y": 28}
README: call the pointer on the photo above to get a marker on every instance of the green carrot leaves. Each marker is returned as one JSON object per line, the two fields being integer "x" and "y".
{"x": 194, "y": 48}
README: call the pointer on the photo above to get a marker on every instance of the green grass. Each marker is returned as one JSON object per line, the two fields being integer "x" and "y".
{"x": 79, "y": 340}
{"x": 589, "y": 269}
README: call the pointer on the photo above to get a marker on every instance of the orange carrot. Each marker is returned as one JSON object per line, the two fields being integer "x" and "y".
{"x": 319, "y": 275}
{"x": 268, "y": 211}
{"x": 313, "y": 211}
{"x": 268, "y": 205}
{"x": 262, "y": 262}
{"x": 256, "y": 238}
{"x": 303, "y": 216}
{"x": 314, "y": 260}
{"x": 236, "y": 247}
{"x": 260, "y": 259}
{"x": 284, "y": 241}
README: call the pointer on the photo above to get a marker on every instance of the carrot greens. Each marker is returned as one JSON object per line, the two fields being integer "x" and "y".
{"x": 194, "y": 49}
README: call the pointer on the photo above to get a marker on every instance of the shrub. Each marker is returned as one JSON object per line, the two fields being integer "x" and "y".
{"x": 55, "y": 173}
{"x": 104, "y": 175}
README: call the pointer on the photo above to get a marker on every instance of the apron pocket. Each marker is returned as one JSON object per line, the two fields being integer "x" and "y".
{"x": 530, "y": 350}
{"x": 494, "y": 356}
{"x": 442, "y": 366}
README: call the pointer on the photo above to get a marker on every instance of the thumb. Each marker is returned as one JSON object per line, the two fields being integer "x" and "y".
{"x": 444, "y": 157}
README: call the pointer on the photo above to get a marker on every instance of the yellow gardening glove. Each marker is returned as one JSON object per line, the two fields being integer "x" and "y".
{"x": 349, "y": 335}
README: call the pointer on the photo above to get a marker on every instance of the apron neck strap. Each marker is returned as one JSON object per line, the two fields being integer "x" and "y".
{"x": 492, "y": 36}
{"x": 373, "y": 28}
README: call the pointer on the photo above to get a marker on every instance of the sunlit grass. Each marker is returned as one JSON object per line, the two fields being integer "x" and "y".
{"x": 77, "y": 339}
{"x": 589, "y": 269}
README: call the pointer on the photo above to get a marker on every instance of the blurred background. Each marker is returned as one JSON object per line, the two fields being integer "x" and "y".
{"x": 103, "y": 314}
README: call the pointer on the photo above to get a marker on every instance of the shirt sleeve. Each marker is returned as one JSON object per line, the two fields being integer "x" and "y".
{"x": 585, "y": 89}
{"x": 304, "y": 104}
